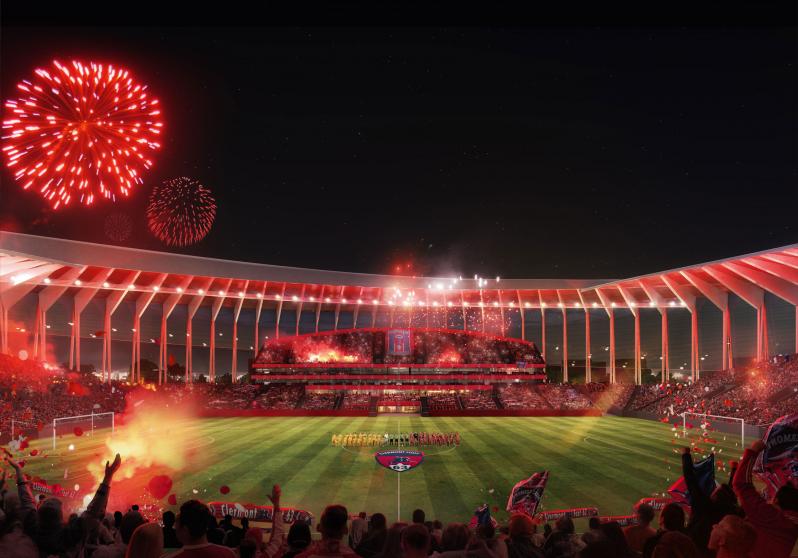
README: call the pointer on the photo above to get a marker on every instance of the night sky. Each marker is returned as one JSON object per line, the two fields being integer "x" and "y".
{"x": 539, "y": 151}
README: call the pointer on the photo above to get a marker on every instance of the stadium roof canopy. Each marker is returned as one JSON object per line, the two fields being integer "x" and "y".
{"x": 51, "y": 268}
{"x": 34, "y": 262}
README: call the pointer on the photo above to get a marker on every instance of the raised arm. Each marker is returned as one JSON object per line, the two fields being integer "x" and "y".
{"x": 26, "y": 502}
{"x": 96, "y": 507}
{"x": 698, "y": 500}
{"x": 276, "y": 539}
{"x": 757, "y": 510}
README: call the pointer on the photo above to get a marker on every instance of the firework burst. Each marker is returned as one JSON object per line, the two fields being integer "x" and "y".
{"x": 181, "y": 211}
{"x": 118, "y": 227}
{"x": 80, "y": 132}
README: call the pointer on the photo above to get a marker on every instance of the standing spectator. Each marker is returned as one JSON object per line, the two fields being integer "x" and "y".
{"x": 733, "y": 537}
{"x": 419, "y": 516}
{"x": 776, "y": 524}
{"x": 637, "y": 535}
{"x": 192, "y": 528}
{"x": 705, "y": 509}
{"x": 332, "y": 526}
{"x": 563, "y": 542}
{"x": 298, "y": 539}
{"x": 520, "y": 541}
{"x": 487, "y": 533}
{"x": 415, "y": 541}
{"x": 375, "y": 537}
{"x": 358, "y": 530}
{"x": 393, "y": 542}
{"x": 671, "y": 535}
{"x": 146, "y": 542}
{"x": 169, "y": 533}
{"x": 594, "y": 534}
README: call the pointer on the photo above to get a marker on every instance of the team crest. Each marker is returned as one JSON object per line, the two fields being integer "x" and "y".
{"x": 399, "y": 460}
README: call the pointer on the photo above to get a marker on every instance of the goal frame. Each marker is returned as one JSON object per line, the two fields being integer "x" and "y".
{"x": 706, "y": 416}
{"x": 91, "y": 417}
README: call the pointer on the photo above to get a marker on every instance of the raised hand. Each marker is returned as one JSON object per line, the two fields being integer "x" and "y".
{"x": 111, "y": 468}
{"x": 275, "y": 495}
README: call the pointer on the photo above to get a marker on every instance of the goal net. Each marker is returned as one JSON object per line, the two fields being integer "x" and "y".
{"x": 702, "y": 422}
{"x": 81, "y": 425}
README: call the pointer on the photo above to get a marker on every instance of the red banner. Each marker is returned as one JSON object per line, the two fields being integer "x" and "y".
{"x": 622, "y": 520}
{"x": 53, "y": 490}
{"x": 553, "y": 515}
{"x": 254, "y": 512}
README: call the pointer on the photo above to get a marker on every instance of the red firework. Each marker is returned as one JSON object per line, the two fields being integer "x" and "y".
{"x": 181, "y": 211}
{"x": 81, "y": 131}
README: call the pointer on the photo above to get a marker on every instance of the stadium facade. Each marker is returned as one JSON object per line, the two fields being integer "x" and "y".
{"x": 183, "y": 299}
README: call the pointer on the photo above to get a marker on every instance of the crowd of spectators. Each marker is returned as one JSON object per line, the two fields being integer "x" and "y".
{"x": 280, "y": 396}
{"x": 604, "y": 396}
{"x": 482, "y": 400}
{"x": 522, "y": 396}
{"x": 759, "y": 393}
{"x": 357, "y": 401}
{"x": 443, "y": 401}
{"x": 319, "y": 400}
{"x": 731, "y": 521}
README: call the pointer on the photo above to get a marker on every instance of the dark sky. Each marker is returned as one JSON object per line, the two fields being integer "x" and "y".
{"x": 535, "y": 151}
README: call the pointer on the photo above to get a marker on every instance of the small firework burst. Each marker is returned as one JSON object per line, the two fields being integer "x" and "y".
{"x": 181, "y": 211}
{"x": 118, "y": 227}
{"x": 80, "y": 132}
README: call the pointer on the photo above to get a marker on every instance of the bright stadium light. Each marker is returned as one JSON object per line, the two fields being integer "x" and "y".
{"x": 259, "y": 295}
{"x": 559, "y": 305}
{"x": 449, "y": 303}
{"x": 295, "y": 298}
{"x": 201, "y": 291}
{"x": 360, "y": 301}
{"x": 47, "y": 280}
{"x": 240, "y": 293}
{"x": 652, "y": 303}
{"x": 543, "y": 304}
{"x": 612, "y": 304}
{"x": 495, "y": 303}
{"x": 327, "y": 299}
{"x": 78, "y": 282}
{"x": 343, "y": 300}
{"x": 106, "y": 284}
{"x": 278, "y": 297}
{"x": 595, "y": 305}
{"x": 221, "y": 292}
{"x": 156, "y": 288}
{"x": 180, "y": 289}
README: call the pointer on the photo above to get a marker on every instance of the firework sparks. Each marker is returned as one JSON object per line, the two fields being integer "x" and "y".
{"x": 80, "y": 131}
{"x": 181, "y": 211}
{"x": 118, "y": 227}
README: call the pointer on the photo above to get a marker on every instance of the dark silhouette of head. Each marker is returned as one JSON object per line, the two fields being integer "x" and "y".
{"x": 418, "y": 516}
{"x": 671, "y": 517}
{"x": 332, "y": 524}
{"x": 168, "y": 518}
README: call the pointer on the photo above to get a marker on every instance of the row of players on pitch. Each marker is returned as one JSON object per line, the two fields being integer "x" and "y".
{"x": 370, "y": 439}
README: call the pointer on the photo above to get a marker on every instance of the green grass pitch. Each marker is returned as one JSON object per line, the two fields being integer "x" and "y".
{"x": 607, "y": 462}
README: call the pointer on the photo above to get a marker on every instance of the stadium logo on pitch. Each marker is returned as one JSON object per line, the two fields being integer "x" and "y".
{"x": 399, "y": 460}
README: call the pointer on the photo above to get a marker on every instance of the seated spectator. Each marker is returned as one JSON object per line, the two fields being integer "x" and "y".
{"x": 637, "y": 535}
{"x": 595, "y": 533}
{"x": 332, "y": 526}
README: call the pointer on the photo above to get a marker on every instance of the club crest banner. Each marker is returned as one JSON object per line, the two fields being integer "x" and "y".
{"x": 399, "y": 460}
